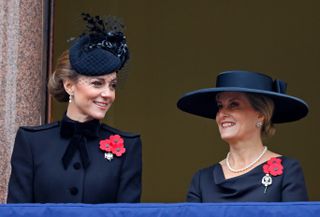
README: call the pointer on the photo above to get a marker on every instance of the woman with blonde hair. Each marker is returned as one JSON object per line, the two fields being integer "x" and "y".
{"x": 245, "y": 106}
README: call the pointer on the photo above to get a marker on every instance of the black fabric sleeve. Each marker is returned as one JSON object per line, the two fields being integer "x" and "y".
{"x": 21, "y": 179}
{"x": 294, "y": 188}
{"x": 130, "y": 178}
{"x": 194, "y": 192}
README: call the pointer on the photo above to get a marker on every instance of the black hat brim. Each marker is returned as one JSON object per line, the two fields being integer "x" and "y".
{"x": 203, "y": 103}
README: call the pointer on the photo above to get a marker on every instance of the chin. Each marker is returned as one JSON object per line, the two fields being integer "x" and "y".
{"x": 227, "y": 138}
{"x": 98, "y": 116}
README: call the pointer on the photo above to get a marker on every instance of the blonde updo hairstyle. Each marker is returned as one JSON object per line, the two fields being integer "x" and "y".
{"x": 62, "y": 72}
{"x": 265, "y": 106}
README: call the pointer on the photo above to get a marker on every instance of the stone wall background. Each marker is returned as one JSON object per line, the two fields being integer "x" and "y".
{"x": 22, "y": 74}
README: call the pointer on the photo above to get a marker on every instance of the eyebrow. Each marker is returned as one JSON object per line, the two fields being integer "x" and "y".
{"x": 234, "y": 98}
{"x": 102, "y": 79}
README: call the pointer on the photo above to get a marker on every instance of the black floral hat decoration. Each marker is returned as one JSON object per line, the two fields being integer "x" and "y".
{"x": 102, "y": 49}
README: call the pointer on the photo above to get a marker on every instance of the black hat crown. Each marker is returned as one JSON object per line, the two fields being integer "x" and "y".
{"x": 102, "y": 49}
{"x": 202, "y": 102}
{"x": 256, "y": 81}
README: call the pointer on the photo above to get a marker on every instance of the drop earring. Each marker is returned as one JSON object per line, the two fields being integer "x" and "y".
{"x": 70, "y": 98}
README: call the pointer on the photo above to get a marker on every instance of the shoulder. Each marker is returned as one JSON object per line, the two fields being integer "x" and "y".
{"x": 38, "y": 128}
{"x": 119, "y": 132}
{"x": 288, "y": 161}
{"x": 291, "y": 168}
{"x": 205, "y": 172}
{"x": 36, "y": 134}
{"x": 208, "y": 169}
{"x": 202, "y": 179}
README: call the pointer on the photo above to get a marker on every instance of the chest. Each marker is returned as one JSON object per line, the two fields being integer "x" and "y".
{"x": 75, "y": 183}
{"x": 251, "y": 186}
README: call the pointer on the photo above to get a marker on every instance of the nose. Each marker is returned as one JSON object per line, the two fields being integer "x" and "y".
{"x": 221, "y": 113}
{"x": 106, "y": 92}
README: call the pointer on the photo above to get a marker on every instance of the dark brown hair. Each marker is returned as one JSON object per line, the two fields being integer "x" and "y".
{"x": 62, "y": 72}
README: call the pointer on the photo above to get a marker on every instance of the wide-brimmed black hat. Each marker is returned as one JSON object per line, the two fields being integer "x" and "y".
{"x": 203, "y": 102}
{"x": 102, "y": 49}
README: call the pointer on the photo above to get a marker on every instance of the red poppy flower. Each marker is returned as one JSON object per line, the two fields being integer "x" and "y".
{"x": 113, "y": 145}
{"x": 274, "y": 160}
{"x": 273, "y": 167}
{"x": 118, "y": 149}
{"x": 106, "y": 145}
{"x": 276, "y": 169}
{"x": 116, "y": 139}
{"x": 266, "y": 168}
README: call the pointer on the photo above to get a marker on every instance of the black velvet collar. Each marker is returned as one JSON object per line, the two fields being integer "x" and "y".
{"x": 78, "y": 133}
{"x": 69, "y": 128}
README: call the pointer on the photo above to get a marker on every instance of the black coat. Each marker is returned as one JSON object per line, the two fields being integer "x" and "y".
{"x": 39, "y": 175}
{"x": 210, "y": 185}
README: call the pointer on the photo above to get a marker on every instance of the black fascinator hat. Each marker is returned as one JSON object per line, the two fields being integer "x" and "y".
{"x": 102, "y": 49}
{"x": 203, "y": 102}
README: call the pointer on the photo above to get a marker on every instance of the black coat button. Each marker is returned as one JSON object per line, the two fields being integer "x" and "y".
{"x": 74, "y": 190}
{"x": 77, "y": 166}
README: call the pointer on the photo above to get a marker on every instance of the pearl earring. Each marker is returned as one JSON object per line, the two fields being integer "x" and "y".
{"x": 70, "y": 98}
{"x": 259, "y": 124}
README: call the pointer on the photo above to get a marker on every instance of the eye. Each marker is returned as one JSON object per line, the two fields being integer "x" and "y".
{"x": 219, "y": 105}
{"x": 113, "y": 85}
{"x": 234, "y": 105}
{"x": 96, "y": 83}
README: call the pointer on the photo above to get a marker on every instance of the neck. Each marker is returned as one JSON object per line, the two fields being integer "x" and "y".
{"x": 246, "y": 167}
{"x": 243, "y": 153}
{"x": 76, "y": 116}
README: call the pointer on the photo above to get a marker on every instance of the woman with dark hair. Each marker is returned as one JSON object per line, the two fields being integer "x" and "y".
{"x": 79, "y": 159}
{"x": 245, "y": 106}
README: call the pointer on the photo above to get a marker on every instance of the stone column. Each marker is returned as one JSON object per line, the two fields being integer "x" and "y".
{"x": 22, "y": 73}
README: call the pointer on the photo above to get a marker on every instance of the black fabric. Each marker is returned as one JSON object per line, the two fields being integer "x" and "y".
{"x": 210, "y": 185}
{"x": 92, "y": 62}
{"x": 203, "y": 102}
{"x": 79, "y": 133}
{"x": 38, "y": 174}
{"x": 102, "y": 49}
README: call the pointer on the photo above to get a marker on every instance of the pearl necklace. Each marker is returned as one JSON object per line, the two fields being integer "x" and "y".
{"x": 248, "y": 166}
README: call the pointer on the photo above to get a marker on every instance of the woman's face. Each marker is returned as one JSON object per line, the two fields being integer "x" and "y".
{"x": 236, "y": 118}
{"x": 92, "y": 96}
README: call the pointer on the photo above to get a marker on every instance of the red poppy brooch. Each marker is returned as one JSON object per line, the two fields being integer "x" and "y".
{"x": 273, "y": 167}
{"x": 114, "y": 145}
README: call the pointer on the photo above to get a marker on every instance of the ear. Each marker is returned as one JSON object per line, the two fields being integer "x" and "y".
{"x": 69, "y": 86}
{"x": 261, "y": 117}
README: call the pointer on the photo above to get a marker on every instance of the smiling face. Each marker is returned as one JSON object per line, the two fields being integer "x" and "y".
{"x": 236, "y": 118}
{"x": 92, "y": 96}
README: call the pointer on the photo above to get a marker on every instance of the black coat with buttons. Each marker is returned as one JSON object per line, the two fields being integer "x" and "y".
{"x": 40, "y": 176}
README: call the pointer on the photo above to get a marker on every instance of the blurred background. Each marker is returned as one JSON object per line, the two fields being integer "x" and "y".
{"x": 180, "y": 46}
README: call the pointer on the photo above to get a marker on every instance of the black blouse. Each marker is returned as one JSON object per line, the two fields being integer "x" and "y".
{"x": 210, "y": 185}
